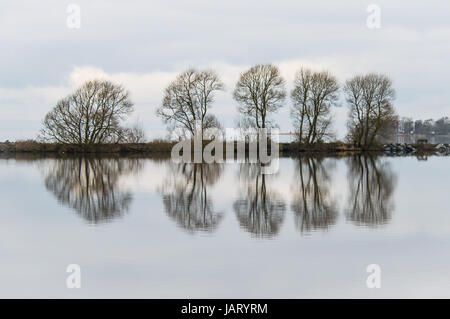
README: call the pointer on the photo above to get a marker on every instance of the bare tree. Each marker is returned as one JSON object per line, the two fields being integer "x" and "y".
{"x": 91, "y": 115}
{"x": 313, "y": 96}
{"x": 186, "y": 197}
{"x": 90, "y": 185}
{"x": 133, "y": 134}
{"x": 371, "y": 183}
{"x": 259, "y": 91}
{"x": 188, "y": 99}
{"x": 372, "y": 115}
{"x": 259, "y": 209}
{"x": 313, "y": 204}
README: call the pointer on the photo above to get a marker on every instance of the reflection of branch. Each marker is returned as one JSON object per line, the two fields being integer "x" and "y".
{"x": 186, "y": 199}
{"x": 312, "y": 204}
{"x": 88, "y": 185}
{"x": 260, "y": 212}
{"x": 371, "y": 187}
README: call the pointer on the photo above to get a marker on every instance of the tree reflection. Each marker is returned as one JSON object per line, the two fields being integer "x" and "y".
{"x": 185, "y": 195}
{"x": 371, "y": 186}
{"x": 313, "y": 205}
{"x": 260, "y": 211}
{"x": 89, "y": 186}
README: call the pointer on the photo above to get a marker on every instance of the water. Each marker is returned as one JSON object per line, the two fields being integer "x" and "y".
{"x": 154, "y": 229}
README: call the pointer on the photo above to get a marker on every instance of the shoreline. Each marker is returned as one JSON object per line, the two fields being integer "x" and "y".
{"x": 164, "y": 148}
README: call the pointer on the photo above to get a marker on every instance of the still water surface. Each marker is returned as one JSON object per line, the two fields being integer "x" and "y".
{"x": 151, "y": 228}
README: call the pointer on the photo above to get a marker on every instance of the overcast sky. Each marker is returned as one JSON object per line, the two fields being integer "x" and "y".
{"x": 144, "y": 44}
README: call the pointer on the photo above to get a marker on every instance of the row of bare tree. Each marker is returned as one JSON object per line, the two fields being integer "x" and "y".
{"x": 95, "y": 112}
{"x": 260, "y": 91}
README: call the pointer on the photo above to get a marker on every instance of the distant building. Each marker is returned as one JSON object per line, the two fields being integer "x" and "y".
{"x": 422, "y": 138}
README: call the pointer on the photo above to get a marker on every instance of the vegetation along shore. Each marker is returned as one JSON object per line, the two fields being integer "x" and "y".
{"x": 161, "y": 148}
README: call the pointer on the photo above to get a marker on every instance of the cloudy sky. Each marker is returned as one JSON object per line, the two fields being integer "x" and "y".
{"x": 144, "y": 44}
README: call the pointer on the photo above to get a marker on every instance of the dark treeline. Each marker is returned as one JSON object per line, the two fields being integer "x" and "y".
{"x": 426, "y": 127}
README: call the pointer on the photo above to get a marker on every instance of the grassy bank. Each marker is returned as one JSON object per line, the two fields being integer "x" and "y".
{"x": 166, "y": 147}
{"x": 36, "y": 147}
{"x": 345, "y": 148}
{"x": 335, "y": 147}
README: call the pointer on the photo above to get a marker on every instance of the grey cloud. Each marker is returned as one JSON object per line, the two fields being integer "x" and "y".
{"x": 144, "y": 37}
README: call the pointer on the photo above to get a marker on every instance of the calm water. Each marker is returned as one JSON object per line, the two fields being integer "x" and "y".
{"x": 152, "y": 228}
